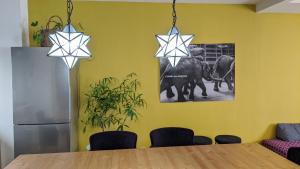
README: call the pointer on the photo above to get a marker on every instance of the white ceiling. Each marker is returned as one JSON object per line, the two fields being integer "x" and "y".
{"x": 283, "y": 7}
{"x": 262, "y": 6}
{"x": 187, "y": 1}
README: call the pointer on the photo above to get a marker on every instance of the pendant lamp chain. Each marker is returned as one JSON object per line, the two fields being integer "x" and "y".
{"x": 173, "y": 46}
{"x": 69, "y": 10}
{"x": 69, "y": 44}
{"x": 174, "y": 13}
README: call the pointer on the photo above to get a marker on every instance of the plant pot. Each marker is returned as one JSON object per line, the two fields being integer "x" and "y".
{"x": 46, "y": 41}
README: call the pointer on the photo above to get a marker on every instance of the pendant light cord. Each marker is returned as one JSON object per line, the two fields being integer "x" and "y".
{"x": 69, "y": 10}
{"x": 174, "y": 13}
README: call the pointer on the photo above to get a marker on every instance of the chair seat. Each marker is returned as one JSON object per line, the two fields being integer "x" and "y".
{"x": 202, "y": 140}
{"x": 294, "y": 154}
{"x": 227, "y": 139}
{"x": 111, "y": 140}
{"x": 171, "y": 136}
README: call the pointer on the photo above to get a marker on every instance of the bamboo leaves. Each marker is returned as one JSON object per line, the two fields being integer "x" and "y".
{"x": 111, "y": 103}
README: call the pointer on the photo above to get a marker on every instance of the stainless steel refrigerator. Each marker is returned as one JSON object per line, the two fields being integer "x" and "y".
{"x": 45, "y": 102}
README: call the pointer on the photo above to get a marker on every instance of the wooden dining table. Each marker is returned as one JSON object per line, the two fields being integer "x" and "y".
{"x": 230, "y": 156}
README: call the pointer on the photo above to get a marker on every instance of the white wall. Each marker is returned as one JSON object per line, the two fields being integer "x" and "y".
{"x": 10, "y": 23}
{"x": 6, "y": 118}
{"x": 13, "y": 17}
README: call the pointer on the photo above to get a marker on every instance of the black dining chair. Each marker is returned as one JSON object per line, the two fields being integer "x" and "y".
{"x": 112, "y": 140}
{"x": 202, "y": 140}
{"x": 228, "y": 139}
{"x": 171, "y": 136}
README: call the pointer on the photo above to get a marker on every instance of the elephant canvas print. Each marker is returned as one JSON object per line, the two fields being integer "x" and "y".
{"x": 208, "y": 75}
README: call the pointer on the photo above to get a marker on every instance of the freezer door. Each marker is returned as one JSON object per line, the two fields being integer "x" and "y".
{"x": 37, "y": 139}
{"x": 40, "y": 87}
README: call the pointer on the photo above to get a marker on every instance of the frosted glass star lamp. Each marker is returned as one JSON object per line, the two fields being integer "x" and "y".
{"x": 174, "y": 46}
{"x": 69, "y": 45}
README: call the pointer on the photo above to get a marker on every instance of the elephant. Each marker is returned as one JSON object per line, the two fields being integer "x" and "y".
{"x": 195, "y": 52}
{"x": 188, "y": 73}
{"x": 164, "y": 65}
{"x": 223, "y": 70}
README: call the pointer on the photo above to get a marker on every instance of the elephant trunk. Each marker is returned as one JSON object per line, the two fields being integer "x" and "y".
{"x": 216, "y": 79}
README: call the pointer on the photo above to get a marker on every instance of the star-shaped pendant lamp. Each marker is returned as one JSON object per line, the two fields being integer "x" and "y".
{"x": 69, "y": 44}
{"x": 174, "y": 45}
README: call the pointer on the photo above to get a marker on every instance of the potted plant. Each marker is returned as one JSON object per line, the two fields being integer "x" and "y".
{"x": 111, "y": 103}
{"x": 40, "y": 36}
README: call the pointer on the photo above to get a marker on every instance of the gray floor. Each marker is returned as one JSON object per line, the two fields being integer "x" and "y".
{"x": 223, "y": 94}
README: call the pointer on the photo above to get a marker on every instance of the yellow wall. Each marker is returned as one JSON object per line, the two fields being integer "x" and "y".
{"x": 267, "y": 62}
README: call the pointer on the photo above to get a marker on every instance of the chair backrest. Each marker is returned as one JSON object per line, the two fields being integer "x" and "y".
{"x": 112, "y": 140}
{"x": 171, "y": 136}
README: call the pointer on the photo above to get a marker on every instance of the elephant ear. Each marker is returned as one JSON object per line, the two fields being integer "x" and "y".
{"x": 200, "y": 58}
